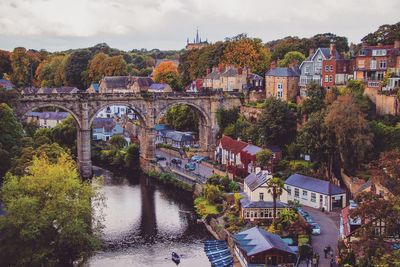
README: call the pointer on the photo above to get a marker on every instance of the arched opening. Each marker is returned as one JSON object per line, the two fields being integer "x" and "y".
{"x": 117, "y": 136}
{"x": 184, "y": 127}
{"x": 52, "y": 123}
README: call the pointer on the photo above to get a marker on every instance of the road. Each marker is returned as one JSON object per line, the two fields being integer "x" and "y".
{"x": 201, "y": 169}
{"x": 329, "y": 223}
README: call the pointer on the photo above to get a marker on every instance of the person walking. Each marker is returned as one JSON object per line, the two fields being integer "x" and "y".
{"x": 326, "y": 252}
{"x": 332, "y": 263}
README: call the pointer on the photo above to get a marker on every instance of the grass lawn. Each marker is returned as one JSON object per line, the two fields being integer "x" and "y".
{"x": 204, "y": 208}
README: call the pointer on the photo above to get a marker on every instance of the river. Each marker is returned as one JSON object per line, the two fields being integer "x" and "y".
{"x": 145, "y": 221}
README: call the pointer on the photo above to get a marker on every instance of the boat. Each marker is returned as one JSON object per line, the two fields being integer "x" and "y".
{"x": 176, "y": 258}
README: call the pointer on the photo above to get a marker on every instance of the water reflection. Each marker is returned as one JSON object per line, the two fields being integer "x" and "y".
{"x": 145, "y": 222}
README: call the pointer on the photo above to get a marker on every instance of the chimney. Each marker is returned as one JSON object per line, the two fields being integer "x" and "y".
{"x": 257, "y": 170}
{"x": 332, "y": 49}
{"x": 208, "y": 71}
{"x": 311, "y": 51}
{"x": 273, "y": 65}
{"x": 380, "y": 44}
{"x": 397, "y": 44}
{"x": 239, "y": 139}
{"x": 250, "y": 142}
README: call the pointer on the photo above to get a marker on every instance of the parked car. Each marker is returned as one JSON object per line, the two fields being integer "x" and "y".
{"x": 309, "y": 219}
{"x": 199, "y": 159}
{"x": 176, "y": 161}
{"x": 160, "y": 158}
{"x": 316, "y": 229}
{"x": 190, "y": 166}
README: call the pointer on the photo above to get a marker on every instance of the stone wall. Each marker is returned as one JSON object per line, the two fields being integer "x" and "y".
{"x": 255, "y": 96}
{"x": 250, "y": 113}
{"x": 386, "y": 105}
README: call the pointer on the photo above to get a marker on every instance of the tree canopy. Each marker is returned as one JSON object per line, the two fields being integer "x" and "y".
{"x": 48, "y": 216}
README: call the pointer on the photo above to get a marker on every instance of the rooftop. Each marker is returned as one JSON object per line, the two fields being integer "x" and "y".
{"x": 284, "y": 72}
{"x": 254, "y": 180}
{"x": 126, "y": 81}
{"x": 158, "y": 86}
{"x": 256, "y": 240}
{"x": 231, "y": 144}
{"x": 50, "y": 115}
{"x": 314, "y": 184}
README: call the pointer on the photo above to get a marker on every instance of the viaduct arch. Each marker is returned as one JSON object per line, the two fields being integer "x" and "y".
{"x": 148, "y": 107}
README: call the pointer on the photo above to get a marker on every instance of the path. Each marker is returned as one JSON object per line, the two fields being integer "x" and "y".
{"x": 329, "y": 223}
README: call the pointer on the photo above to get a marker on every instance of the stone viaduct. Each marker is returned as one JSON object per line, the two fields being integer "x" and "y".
{"x": 150, "y": 108}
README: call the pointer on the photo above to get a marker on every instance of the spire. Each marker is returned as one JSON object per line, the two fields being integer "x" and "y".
{"x": 187, "y": 41}
{"x": 197, "y": 35}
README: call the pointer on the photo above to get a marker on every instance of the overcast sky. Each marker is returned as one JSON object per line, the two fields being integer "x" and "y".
{"x": 165, "y": 24}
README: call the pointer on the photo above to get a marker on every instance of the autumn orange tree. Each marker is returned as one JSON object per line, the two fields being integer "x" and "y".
{"x": 167, "y": 72}
{"x": 102, "y": 64}
{"x": 247, "y": 52}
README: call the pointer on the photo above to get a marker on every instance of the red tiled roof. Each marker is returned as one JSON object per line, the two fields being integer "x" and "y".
{"x": 235, "y": 146}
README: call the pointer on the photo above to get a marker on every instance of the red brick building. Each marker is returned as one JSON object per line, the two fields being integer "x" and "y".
{"x": 336, "y": 70}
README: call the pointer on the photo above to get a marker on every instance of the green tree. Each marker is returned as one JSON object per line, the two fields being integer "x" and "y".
{"x": 48, "y": 218}
{"x": 386, "y": 34}
{"x": 20, "y": 64}
{"x": 213, "y": 194}
{"x": 263, "y": 157}
{"x": 132, "y": 157}
{"x": 118, "y": 142}
{"x": 316, "y": 140}
{"x": 182, "y": 118}
{"x": 292, "y": 58}
{"x": 315, "y": 99}
{"x": 226, "y": 117}
{"x": 95, "y": 70}
{"x": 352, "y": 133}
{"x": 11, "y": 128}
{"x": 5, "y": 63}
{"x": 75, "y": 66}
{"x": 288, "y": 216}
{"x": 277, "y": 124}
{"x": 275, "y": 187}
{"x": 64, "y": 134}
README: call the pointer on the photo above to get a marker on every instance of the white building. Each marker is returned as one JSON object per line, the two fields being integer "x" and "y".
{"x": 257, "y": 203}
{"x": 116, "y": 111}
{"x": 46, "y": 119}
{"x": 315, "y": 193}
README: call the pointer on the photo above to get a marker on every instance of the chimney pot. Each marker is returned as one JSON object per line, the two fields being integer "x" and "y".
{"x": 250, "y": 142}
{"x": 332, "y": 49}
{"x": 380, "y": 44}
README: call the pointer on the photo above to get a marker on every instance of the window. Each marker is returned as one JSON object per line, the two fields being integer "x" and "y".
{"x": 296, "y": 192}
{"x": 382, "y": 64}
{"x": 361, "y": 64}
{"x": 326, "y": 67}
{"x": 280, "y": 90}
{"x": 307, "y": 70}
{"x": 289, "y": 190}
{"x": 373, "y": 64}
{"x": 313, "y": 197}
{"x": 330, "y": 78}
{"x": 331, "y": 68}
{"x": 305, "y": 194}
{"x": 379, "y": 52}
{"x": 261, "y": 196}
{"x": 326, "y": 78}
{"x": 363, "y": 52}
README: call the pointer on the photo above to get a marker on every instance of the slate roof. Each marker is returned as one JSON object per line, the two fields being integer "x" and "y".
{"x": 6, "y": 83}
{"x": 161, "y": 127}
{"x": 107, "y": 123}
{"x": 247, "y": 203}
{"x": 126, "y": 81}
{"x": 231, "y": 72}
{"x": 29, "y": 90}
{"x": 231, "y": 144}
{"x": 66, "y": 90}
{"x": 254, "y": 180}
{"x": 158, "y": 86}
{"x": 46, "y": 90}
{"x": 214, "y": 75}
{"x": 284, "y": 72}
{"x": 178, "y": 136}
{"x": 49, "y": 115}
{"x": 314, "y": 185}
{"x": 327, "y": 52}
{"x": 365, "y": 186}
{"x": 256, "y": 240}
{"x": 253, "y": 76}
{"x": 251, "y": 149}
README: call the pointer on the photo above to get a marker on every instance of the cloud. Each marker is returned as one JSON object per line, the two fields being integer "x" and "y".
{"x": 58, "y": 24}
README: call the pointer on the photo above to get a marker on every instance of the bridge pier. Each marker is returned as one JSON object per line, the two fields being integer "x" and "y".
{"x": 147, "y": 143}
{"x": 84, "y": 153}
